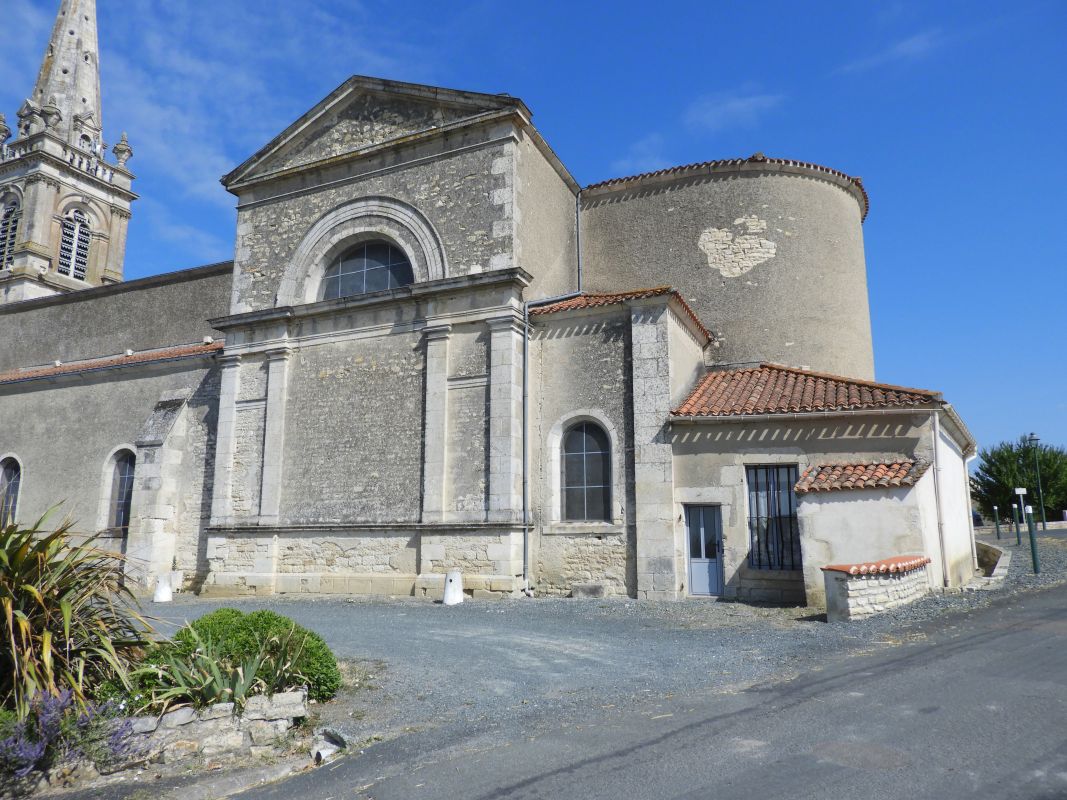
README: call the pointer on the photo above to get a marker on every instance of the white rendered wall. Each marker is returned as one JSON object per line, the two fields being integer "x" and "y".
{"x": 849, "y": 526}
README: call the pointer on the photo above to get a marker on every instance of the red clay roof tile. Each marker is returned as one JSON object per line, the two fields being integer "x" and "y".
{"x": 596, "y": 300}
{"x": 876, "y": 475}
{"x": 143, "y": 357}
{"x": 776, "y": 389}
{"x": 727, "y": 162}
{"x": 896, "y": 564}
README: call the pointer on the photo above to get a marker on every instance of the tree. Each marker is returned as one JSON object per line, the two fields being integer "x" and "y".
{"x": 1011, "y": 464}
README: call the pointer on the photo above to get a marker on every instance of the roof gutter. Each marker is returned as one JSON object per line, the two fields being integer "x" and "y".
{"x": 794, "y": 415}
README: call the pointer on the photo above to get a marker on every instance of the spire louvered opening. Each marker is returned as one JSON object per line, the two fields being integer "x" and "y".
{"x": 74, "y": 246}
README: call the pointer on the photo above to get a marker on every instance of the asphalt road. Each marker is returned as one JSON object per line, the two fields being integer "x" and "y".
{"x": 978, "y": 705}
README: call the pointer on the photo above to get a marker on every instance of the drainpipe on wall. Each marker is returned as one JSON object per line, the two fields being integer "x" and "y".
{"x": 526, "y": 306}
{"x": 936, "y": 417}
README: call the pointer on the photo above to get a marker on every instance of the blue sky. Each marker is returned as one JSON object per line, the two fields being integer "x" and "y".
{"x": 953, "y": 113}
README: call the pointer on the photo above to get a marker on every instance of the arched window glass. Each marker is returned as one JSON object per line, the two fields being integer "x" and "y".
{"x": 121, "y": 491}
{"x": 367, "y": 267}
{"x": 10, "y": 478}
{"x": 9, "y": 227}
{"x": 586, "y": 474}
{"x": 74, "y": 246}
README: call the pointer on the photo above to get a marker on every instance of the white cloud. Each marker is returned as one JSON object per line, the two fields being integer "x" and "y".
{"x": 911, "y": 49}
{"x": 717, "y": 112}
{"x": 644, "y": 155}
{"x": 193, "y": 242}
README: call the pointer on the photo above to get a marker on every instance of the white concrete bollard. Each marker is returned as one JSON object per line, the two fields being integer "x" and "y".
{"x": 453, "y": 588}
{"x": 163, "y": 591}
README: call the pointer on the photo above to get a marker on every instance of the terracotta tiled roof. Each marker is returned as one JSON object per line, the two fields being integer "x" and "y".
{"x": 758, "y": 158}
{"x": 896, "y": 564}
{"x": 143, "y": 357}
{"x": 775, "y": 389}
{"x": 878, "y": 475}
{"x": 594, "y": 300}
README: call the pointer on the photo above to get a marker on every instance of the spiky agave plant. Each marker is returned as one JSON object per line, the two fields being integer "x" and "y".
{"x": 66, "y": 618}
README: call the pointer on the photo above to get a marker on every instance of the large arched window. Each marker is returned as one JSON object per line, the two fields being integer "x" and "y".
{"x": 74, "y": 246}
{"x": 367, "y": 267}
{"x": 10, "y": 479}
{"x": 9, "y": 227}
{"x": 119, "y": 508}
{"x": 586, "y": 474}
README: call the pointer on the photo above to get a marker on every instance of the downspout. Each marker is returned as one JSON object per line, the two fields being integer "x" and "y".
{"x": 526, "y": 306}
{"x": 936, "y": 417}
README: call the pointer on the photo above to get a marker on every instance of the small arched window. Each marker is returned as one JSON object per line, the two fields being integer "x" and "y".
{"x": 10, "y": 479}
{"x": 9, "y": 227}
{"x": 121, "y": 491}
{"x": 74, "y": 246}
{"x": 586, "y": 476}
{"x": 367, "y": 267}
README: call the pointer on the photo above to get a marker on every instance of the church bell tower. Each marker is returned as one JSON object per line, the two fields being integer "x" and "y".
{"x": 64, "y": 205}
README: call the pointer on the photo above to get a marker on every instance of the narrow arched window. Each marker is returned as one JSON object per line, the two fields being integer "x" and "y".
{"x": 367, "y": 267}
{"x": 121, "y": 491}
{"x": 586, "y": 476}
{"x": 9, "y": 227}
{"x": 10, "y": 479}
{"x": 74, "y": 246}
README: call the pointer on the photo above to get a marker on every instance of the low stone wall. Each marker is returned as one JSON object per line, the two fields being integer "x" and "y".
{"x": 218, "y": 730}
{"x": 856, "y": 591}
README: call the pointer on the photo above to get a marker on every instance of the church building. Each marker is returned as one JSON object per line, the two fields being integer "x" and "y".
{"x": 434, "y": 349}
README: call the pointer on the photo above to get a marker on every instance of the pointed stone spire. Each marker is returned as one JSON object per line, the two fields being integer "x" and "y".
{"x": 69, "y": 80}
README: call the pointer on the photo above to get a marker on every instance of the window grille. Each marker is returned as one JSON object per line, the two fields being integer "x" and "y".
{"x": 9, "y": 226}
{"x": 122, "y": 491}
{"x": 772, "y": 517}
{"x": 586, "y": 477}
{"x": 10, "y": 478}
{"x": 368, "y": 267}
{"x": 74, "y": 246}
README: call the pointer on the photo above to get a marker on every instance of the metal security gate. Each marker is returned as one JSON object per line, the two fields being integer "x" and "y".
{"x": 704, "y": 526}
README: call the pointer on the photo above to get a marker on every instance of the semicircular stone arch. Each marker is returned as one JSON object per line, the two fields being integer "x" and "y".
{"x": 349, "y": 225}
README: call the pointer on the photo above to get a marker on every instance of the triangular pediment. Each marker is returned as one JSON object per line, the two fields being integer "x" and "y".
{"x": 365, "y": 113}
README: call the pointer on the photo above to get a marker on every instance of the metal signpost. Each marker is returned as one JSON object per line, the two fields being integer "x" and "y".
{"x": 1015, "y": 519}
{"x": 996, "y": 521}
{"x": 1033, "y": 538}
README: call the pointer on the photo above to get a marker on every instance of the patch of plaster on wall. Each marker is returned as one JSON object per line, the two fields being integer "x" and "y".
{"x": 735, "y": 253}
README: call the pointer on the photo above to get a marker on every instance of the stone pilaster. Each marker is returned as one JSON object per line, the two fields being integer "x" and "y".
{"x": 658, "y": 570}
{"x": 505, "y": 419}
{"x": 436, "y": 424}
{"x": 225, "y": 443}
{"x": 274, "y": 436}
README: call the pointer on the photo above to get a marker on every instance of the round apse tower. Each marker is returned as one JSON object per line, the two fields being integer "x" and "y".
{"x": 769, "y": 252}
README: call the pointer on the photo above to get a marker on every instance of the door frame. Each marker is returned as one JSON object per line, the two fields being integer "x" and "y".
{"x": 718, "y": 545}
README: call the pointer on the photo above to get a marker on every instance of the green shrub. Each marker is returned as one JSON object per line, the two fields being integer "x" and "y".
{"x": 66, "y": 619}
{"x": 239, "y": 635}
{"x": 206, "y": 675}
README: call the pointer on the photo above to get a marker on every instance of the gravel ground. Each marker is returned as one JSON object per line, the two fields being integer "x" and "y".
{"x": 498, "y": 662}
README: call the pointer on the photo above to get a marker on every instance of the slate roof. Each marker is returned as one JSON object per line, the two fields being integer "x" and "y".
{"x": 143, "y": 357}
{"x": 776, "y": 389}
{"x": 757, "y": 158}
{"x": 875, "y": 475}
{"x": 596, "y": 300}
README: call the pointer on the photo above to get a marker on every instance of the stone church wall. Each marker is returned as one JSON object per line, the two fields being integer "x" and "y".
{"x": 144, "y": 314}
{"x": 545, "y": 241}
{"x": 354, "y": 432}
{"x": 595, "y": 385}
{"x": 764, "y": 258}
{"x": 63, "y": 432}
{"x": 466, "y": 196}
